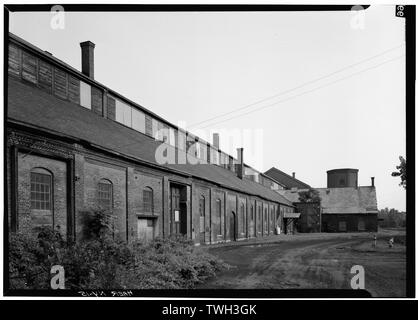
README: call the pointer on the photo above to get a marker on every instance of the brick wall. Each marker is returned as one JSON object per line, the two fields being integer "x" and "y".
{"x": 94, "y": 171}
{"x": 29, "y": 218}
{"x": 128, "y": 182}
{"x": 138, "y": 181}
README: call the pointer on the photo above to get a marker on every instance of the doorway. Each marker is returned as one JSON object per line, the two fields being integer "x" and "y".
{"x": 178, "y": 210}
{"x": 145, "y": 229}
{"x": 233, "y": 226}
{"x": 202, "y": 223}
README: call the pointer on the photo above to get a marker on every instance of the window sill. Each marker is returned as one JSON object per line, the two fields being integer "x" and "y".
{"x": 146, "y": 215}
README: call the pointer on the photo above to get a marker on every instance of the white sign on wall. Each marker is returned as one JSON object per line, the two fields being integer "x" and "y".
{"x": 176, "y": 216}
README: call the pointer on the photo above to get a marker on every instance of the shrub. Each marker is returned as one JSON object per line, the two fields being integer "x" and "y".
{"x": 99, "y": 262}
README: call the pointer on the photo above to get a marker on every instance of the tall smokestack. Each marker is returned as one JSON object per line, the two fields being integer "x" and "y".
{"x": 216, "y": 140}
{"x": 240, "y": 166}
{"x": 87, "y": 58}
{"x": 372, "y": 181}
{"x": 293, "y": 175}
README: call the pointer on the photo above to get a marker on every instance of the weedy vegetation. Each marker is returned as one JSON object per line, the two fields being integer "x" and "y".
{"x": 99, "y": 261}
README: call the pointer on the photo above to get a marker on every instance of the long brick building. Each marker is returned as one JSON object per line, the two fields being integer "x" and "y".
{"x": 75, "y": 145}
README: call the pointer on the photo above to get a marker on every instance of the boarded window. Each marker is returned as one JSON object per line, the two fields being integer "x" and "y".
{"x": 105, "y": 195}
{"x": 14, "y": 60}
{"x": 148, "y": 200}
{"x": 60, "y": 83}
{"x": 97, "y": 100}
{"x": 41, "y": 190}
{"x": 85, "y": 95}
{"x": 148, "y": 126}
{"x": 138, "y": 120}
{"x": 45, "y": 76}
{"x": 111, "y": 108}
{"x": 155, "y": 129}
{"x": 29, "y": 67}
{"x": 73, "y": 89}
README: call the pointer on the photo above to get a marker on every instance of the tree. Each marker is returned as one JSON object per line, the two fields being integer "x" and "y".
{"x": 391, "y": 218}
{"x": 310, "y": 208}
{"x": 309, "y": 196}
{"x": 401, "y": 172}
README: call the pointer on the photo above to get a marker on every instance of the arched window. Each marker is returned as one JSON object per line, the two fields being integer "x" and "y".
{"x": 148, "y": 200}
{"x": 41, "y": 189}
{"x": 105, "y": 195}
{"x": 219, "y": 214}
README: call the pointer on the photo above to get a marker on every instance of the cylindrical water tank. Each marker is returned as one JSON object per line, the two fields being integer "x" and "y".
{"x": 342, "y": 178}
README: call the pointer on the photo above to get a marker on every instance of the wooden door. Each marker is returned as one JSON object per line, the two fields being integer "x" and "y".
{"x": 175, "y": 210}
{"x": 145, "y": 229}
{"x": 232, "y": 226}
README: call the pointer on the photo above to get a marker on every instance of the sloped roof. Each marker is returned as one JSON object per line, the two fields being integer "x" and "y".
{"x": 29, "y": 105}
{"x": 285, "y": 179}
{"x": 348, "y": 200}
{"x": 341, "y": 200}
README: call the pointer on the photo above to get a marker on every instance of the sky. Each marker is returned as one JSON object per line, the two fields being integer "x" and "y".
{"x": 305, "y": 92}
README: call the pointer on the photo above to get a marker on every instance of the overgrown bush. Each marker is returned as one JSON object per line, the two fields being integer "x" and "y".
{"x": 100, "y": 262}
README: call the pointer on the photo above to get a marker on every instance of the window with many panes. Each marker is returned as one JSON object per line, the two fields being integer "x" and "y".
{"x": 148, "y": 200}
{"x": 105, "y": 197}
{"x": 41, "y": 189}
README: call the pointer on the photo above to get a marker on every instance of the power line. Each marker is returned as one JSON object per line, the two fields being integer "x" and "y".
{"x": 293, "y": 97}
{"x": 303, "y": 93}
{"x": 194, "y": 125}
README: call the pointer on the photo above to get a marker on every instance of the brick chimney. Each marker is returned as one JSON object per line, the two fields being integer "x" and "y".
{"x": 87, "y": 58}
{"x": 372, "y": 178}
{"x": 215, "y": 140}
{"x": 293, "y": 175}
{"x": 240, "y": 165}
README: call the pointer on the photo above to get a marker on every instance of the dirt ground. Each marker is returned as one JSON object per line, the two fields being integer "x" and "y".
{"x": 315, "y": 261}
